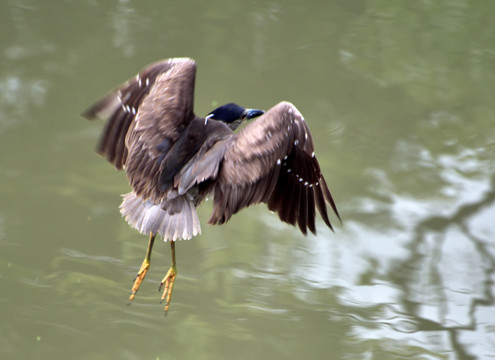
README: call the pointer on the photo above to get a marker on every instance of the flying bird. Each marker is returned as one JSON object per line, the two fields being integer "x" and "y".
{"x": 173, "y": 159}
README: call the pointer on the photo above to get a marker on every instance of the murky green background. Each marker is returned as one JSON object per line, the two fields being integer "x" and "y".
{"x": 399, "y": 96}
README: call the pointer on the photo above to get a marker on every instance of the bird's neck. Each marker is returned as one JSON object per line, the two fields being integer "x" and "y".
{"x": 234, "y": 124}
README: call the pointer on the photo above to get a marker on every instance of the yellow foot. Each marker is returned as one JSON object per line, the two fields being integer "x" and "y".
{"x": 168, "y": 281}
{"x": 139, "y": 279}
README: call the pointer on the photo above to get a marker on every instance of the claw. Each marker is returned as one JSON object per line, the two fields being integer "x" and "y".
{"x": 168, "y": 284}
{"x": 143, "y": 270}
{"x": 139, "y": 279}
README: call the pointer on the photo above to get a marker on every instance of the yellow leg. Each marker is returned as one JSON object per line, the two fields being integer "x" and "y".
{"x": 144, "y": 268}
{"x": 169, "y": 279}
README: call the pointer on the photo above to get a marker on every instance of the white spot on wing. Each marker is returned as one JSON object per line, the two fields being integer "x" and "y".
{"x": 278, "y": 161}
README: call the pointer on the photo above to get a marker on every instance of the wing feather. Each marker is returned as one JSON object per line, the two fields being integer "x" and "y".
{"x": 272, "y": 161}
{"x": 121, "y": 106}
{"x": 144, "y": 117}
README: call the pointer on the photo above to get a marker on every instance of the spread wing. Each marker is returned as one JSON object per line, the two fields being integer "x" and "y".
{"x": 272, "y": 160}
{"x": 145, "y": 116}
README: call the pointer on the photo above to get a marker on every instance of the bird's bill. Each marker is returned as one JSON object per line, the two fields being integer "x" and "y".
{"x": 251, "y": 113}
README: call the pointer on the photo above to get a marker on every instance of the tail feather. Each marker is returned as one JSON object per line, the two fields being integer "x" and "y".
{"x": 181, "y": 223}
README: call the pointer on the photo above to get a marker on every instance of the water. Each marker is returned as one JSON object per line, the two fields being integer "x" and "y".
{"x": 399, "y": 98}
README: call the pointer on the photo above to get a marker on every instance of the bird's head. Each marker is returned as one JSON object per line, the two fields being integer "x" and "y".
{"x": 233, "y": 115}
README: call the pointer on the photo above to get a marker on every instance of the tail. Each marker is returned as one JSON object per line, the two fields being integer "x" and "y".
{"x": 174, "y": 220}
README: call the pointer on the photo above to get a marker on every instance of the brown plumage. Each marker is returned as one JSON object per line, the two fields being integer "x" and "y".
{"x": 173, "y": 159}
{"x": 272, "y": 160}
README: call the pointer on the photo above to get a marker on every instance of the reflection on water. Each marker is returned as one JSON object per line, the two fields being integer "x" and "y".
{"x": 18, "y": 97}
{"x": 399, "y": 99}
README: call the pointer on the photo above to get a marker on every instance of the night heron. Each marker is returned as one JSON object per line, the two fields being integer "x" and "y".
{"x": 173, "y": 159}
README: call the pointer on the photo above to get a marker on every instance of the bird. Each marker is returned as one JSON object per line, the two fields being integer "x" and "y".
{"x": 174, "y": 159}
